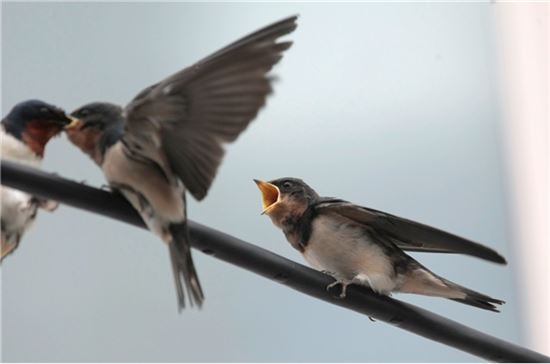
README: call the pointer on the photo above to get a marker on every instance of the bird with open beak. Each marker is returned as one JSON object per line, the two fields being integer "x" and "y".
{"x": 25, "y": 131}
{"x": 359, "y": 245}
{"x": 169, "y": 139}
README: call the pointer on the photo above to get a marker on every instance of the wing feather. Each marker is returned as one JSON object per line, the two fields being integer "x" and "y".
{"x": 198, "y": 109}
{"x": 410, "y": 235}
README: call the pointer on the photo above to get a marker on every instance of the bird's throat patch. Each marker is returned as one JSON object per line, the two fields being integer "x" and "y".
{"x": 37, "y": 133}
{"x": 87, "y": 140}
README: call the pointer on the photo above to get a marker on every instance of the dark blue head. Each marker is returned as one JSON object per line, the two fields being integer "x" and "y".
{"x": 286, "y": 201}
{"x": 100, "y": 125}
{"x": 42, "y": 114}
{"x": 99, "y": 115}
{"x": 35, "y": 122}
{"x": 289, "y": 194}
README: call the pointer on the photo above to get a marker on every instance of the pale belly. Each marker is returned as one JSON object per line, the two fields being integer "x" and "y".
{"x": 344, "y": 251}
{"x": 164, "y": 198}
{"x": 17, "y": 210}
{"x": 15, "y": 150}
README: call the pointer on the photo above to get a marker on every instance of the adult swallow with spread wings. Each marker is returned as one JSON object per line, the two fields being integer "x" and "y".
{"x": 25, "y": 131}
{"x": 359, "y": 245}
{"x": 169, "y": 138}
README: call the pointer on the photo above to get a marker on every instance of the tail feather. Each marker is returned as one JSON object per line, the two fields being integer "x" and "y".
{"x": 422, "y": 281}
{"x": 474, "y": 298}
{"x": 9, "y": 242}
{"x": 185, "y": 274}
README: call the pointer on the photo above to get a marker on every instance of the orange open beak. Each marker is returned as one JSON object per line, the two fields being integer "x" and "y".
{"x": 270, "y": 195}
{"x": 75, "y": 123}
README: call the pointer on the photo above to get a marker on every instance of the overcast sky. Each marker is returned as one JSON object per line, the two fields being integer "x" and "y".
{"x": 391, "y": 106}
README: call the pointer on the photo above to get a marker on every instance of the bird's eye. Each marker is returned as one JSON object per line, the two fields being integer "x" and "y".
{"x": 84, "y": 112}
{"x": 44, "y": 110}
{"x": 287, "y": 185}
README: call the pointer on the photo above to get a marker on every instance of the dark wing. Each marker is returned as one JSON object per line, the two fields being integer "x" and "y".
{"x": 193, "y": 112}
{"x": 407, "y": 234}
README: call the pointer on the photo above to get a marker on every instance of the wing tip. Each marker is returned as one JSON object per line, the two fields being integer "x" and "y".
{"x": 495, "y": 258}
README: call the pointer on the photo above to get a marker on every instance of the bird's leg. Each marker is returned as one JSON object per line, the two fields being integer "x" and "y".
{"x": 333, "y": 284}
{"x": 344, "y": 290}
{"x": 344, "y": 287}
{"x": 25, "y": 206}
{"x": 105, "y": 187}
{"x": 48, "y": 205}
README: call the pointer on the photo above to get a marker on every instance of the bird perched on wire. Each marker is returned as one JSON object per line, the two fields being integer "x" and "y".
{"x": 25, "y": 132}
{"x": 359, "y": 245}
{"x": 169, "y": 138}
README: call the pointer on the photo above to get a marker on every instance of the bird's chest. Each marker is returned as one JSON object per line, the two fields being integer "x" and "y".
{"x": 87, "y": 140}
{"x": 37, "y": 134}
{"x": 16, "y": 150}
{"x": 146, "y": 180}
{"x": 17, "y": 209}
{"x": 344, "y": 249}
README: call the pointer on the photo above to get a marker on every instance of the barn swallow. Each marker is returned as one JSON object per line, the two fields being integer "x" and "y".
{"x": 25, "y": 132}
{"x": 169, "y": 139}
{"x": 359, "y": 245}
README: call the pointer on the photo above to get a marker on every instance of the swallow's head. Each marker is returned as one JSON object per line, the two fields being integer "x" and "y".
{"x": 285, "y": 198}
{"x": 35, "y": 122}
{"x": 95, "y": 127}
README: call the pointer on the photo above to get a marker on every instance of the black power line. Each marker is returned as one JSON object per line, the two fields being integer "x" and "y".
{"x": 277, "y": 268}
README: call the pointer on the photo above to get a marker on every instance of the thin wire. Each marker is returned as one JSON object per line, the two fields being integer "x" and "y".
{"x": 267, "y": 264}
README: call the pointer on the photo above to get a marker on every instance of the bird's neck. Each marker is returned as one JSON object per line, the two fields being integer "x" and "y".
{"x": 94, "y": 142}
{"x": 110, "y": 137}
{"x": 14, "y": 149}
{"x": 297, "y": 228}
{"x": 35, "y": 134}
{"x": 88, "y": 142}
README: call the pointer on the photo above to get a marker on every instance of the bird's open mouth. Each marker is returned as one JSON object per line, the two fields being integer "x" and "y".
{"x": 270, "y": 195}
{"x": 75, "y": 123}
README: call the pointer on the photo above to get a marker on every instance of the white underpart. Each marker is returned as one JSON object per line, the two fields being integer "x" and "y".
{"x": 159, "y": 202}
{"x": 423, "y": 282}
{"x": 16, "y": 207}
{"x": 15, "y": 150}
{"x": 346, "y": 253}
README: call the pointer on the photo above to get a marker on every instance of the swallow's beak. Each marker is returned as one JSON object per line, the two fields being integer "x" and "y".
{"x": 270, "y": 195}
{"x": 75, "y": 123}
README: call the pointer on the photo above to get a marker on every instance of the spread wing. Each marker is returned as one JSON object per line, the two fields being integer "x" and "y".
{"x": 407, "y": 234}
{"x": 184, "y": 120}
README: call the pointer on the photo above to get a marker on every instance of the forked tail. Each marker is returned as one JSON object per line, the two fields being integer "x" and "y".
{"x": 474, "y": 298}
{"x": 9, "y": 243}
{"x": 183, "y": 267}
{"x": 422, "y": 281}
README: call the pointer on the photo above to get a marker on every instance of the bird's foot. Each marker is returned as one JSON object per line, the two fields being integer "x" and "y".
{"x": 48, "y": 205}
{"x": 333, "y": 284}
{"x": 343, "y": 290}
{"x": 105, "y": 187}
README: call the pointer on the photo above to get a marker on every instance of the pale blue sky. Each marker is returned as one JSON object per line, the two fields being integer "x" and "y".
{"x": 392, "y": 106}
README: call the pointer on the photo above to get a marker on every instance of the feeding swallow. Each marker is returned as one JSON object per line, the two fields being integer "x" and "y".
{"x": 25, "y": 132}
{"x": 169, "y": 139}
{"x": 359, "y": 245}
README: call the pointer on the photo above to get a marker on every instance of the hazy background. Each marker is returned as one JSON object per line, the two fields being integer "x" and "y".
{"x": 393, "y": 106}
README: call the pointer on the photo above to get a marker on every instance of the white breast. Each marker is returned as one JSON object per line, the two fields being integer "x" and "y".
{"x": 16, "y": 207}
{"x": 15, "y": 150}
{"x": 342, "y": 248}
{"x": 164, "y": 198}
